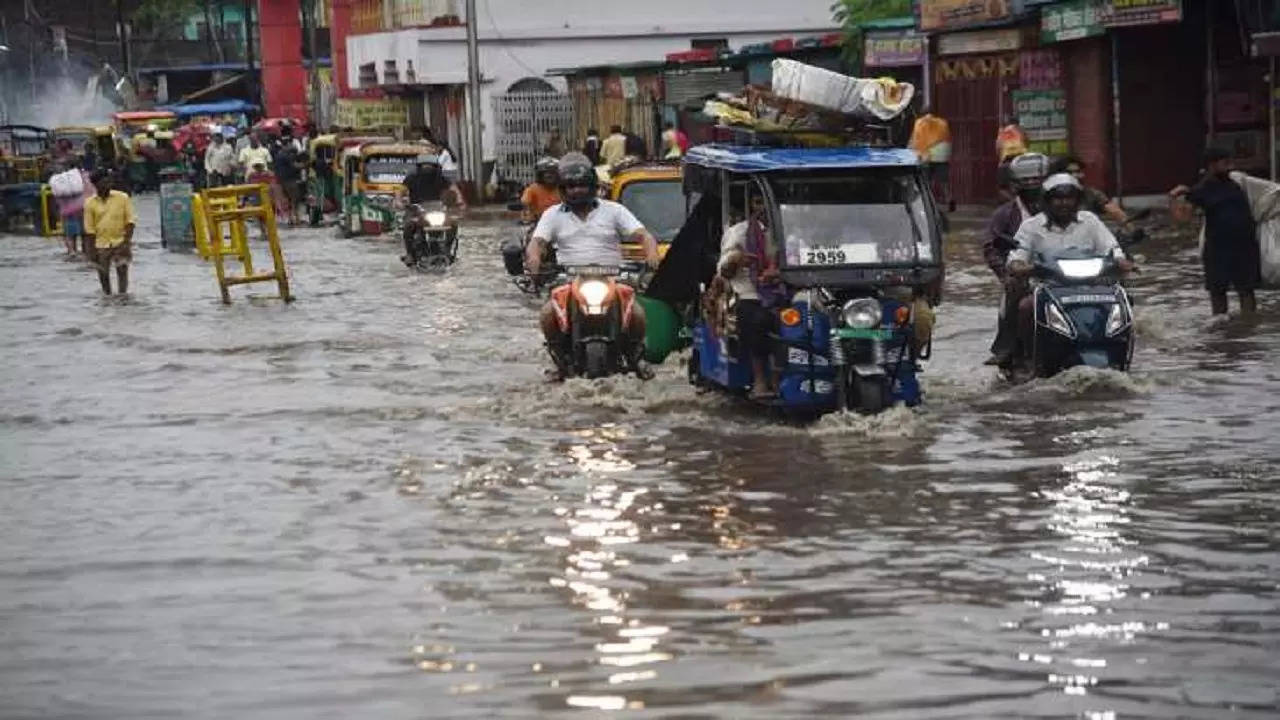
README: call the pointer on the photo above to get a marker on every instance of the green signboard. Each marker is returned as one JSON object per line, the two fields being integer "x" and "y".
{"x": 176, "y": 230}
{"x": 1072, "y": 20}
{"x": 1042, "y": 114}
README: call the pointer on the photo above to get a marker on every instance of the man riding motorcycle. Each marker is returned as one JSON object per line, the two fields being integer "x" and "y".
{"x": 587, "y": 231}
{"x": 1062, "y": 225}
{"x": 427, "y": 183}
{"x": 1027, "y": 173}
{"x": 543, "y": 192}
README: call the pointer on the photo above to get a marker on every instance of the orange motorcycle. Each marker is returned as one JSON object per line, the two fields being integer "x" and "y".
{"x": 593, "y": 309}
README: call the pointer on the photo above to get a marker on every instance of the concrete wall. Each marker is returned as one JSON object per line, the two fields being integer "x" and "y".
{"x": 519, "y": 39}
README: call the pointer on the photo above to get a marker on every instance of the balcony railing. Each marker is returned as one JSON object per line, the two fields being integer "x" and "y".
{"x": 378, "y": 15}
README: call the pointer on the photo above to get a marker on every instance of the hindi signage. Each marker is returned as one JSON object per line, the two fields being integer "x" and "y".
{"x": 1120, "y": 13}
{"x": 983, "y": 41}
{"x": 363, "y": 113}
{"x": 1072, "y": 21}
{"x": 950, "y": 14}
{"x": 893, "y": 49}
{"x": 1042, "y": 114}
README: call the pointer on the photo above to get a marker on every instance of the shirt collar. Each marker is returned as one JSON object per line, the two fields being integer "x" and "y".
{"x": 1048, "y": 222}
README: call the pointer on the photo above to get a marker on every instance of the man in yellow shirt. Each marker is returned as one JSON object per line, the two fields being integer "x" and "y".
{"x": 109, "y": 220}
{"x": 614, "y": 147}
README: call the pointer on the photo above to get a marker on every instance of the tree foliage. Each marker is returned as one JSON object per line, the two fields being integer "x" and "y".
{"x": 163, "y": 17}
{"x": 851, "y": 14}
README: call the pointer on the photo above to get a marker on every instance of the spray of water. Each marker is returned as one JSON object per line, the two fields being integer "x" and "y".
{"x": 64, "y": 101}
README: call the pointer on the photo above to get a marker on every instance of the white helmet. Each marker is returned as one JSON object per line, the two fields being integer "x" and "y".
{"x": 1060, "y": 181}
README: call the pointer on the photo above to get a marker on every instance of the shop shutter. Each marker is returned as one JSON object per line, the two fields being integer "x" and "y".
{"x": 695, "y": 84}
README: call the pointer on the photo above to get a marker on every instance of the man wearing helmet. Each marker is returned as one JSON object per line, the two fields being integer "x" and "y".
{"x": 543, "y": 192}
{"x": 1061, "y": 225}
{"x": 586, "y": 230}
{"x": 1026, "y": 175}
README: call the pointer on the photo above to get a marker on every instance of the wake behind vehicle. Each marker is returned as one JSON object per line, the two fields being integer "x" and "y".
{"x": 857, "y": 242}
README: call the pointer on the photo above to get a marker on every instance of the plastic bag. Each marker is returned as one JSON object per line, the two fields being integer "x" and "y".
{"x": 1264, "y": 201}
{"x": 67, "y": 184}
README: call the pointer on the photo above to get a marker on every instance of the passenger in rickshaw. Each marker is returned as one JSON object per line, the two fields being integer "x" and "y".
{"x": 543, "y": 192}
{"x": 749, "y": 268}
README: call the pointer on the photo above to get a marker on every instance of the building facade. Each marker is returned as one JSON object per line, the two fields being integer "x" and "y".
{"x": 520, "y": 42}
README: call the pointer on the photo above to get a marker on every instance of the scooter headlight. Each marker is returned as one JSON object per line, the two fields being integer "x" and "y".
{"x": 594, "y": 292}
{"x": 1082, "y": 268}
{"x": 1057, "y": 321}
{"x": 862, "y": 313}
{"x": 1117, "y": 321}
{"x": 436, "y": 218}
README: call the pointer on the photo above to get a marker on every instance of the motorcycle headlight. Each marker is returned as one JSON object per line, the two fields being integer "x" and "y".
{"x": 862, "y": 313}
{"x": 1117, "y": 320}
{"x": 1083, "y": 268}
{"x": 594, "y": 292}
{"x": 435, "y": 218}
{"x": 1057, "y": 321}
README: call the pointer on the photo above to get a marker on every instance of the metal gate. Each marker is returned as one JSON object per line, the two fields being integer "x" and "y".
{"x": 524, "y": 122}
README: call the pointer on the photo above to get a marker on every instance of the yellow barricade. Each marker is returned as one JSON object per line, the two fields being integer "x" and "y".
{"x": 50, "y": 222}
{"x": 205, "y": 229}
{"x": 221, "y": 208}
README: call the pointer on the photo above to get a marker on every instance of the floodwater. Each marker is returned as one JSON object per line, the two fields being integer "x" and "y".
{"x": 369, "y": 504}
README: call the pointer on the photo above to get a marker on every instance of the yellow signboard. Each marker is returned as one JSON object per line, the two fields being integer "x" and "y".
{"x": 362, "y": 113}
{"x": 947, "y": 14}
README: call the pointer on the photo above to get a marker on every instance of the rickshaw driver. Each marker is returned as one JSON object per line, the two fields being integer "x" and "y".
{"x": 746, "y": 266}
{"x": 586, "y": 230}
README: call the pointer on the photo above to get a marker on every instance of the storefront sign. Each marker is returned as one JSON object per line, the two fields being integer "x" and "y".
{"x": 1119, "y": 13}
{"x": 363, "y": 113}
{"x": 893, "y": 49}
{"x": 984, "y": 41}
{"x": 950, "y": 14}
{"x": 1072, "y": 21}
{"x": 1042, "y": 114}
{"x": 1039, "y": 70}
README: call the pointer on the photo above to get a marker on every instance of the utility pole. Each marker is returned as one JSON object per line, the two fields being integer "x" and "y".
{"x": 122, "y": 32}
{"x": 254, "y": 94}
{"x": 31, "y": 47}
{"x": 313, "y": 76}
{"x": 473, "y": 84}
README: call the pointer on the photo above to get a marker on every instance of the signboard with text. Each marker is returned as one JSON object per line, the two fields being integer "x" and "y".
{"x": 1072, "y": 21}
{"x": 950, "y": 14}
{"x": 363, "y": 113}
{"x": 1120, "y": 13}
{"x": 1042, "y": 114}
{"x": 893, "y": 49}
{"x": 983, "y": 41}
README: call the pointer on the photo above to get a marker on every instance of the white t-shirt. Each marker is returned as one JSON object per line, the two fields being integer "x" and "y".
{"x": 593, "y": 241}
{"x": 735, "y": 238}
{"x": 1087, "y": 233}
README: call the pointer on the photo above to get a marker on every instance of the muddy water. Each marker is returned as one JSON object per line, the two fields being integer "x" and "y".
{"x": 367, "y": 504}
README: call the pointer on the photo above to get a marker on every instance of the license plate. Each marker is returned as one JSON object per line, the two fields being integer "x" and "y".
{"x": 843, "y": 254}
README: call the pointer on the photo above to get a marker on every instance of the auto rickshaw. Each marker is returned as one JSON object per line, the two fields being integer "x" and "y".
{"x": 655, "y": 195}
{"x": 24, "y": 154}
{"x": 101, "y": 137}
{"x": 854, "y": 234}
{"x": 324, "y": 192}
{"x": 373, "y": 192}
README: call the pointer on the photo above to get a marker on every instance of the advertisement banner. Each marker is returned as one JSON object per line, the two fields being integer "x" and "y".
{"x": 1072, "y": 21}
{"x": 1040, "y": 70}
{"x": 982, "y": 41}
{"x": 1120, "y": 13}
{"x": 893, "y": 49}
{"x": 364, "y": 113}
{"x": 1042, "y": 114}
{"x": 949, "y": 14}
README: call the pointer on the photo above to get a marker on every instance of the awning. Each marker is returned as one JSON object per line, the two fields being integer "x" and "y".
{"x": 211, "y": 108}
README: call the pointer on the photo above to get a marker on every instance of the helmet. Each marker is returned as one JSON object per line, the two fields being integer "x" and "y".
{"x": 547, "y": 167}
{"x": 1062, "y": 183}
{"x": 1027, "y": 171}
{"x": 575, "y": 170}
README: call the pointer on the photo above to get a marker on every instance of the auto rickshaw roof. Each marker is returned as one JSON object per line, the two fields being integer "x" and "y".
{"x": 398, "y": 149}
{"x": 31, "y": 129}
{"x": 648, "y": 172}
{"x": 141, "y": 115}
{"x": 754, "y": 158}
{"x": 74, "y": 130}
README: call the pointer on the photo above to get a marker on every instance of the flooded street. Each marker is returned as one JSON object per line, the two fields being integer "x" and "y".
{"x": 369, "y": 504}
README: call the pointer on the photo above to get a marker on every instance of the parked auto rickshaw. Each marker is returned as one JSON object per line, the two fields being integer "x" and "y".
{"x": 24, "y": 154}
{"x": 102, "y": 137}
{"x": 324, "y": 191}
{"x": 373, "y": 192}
{"x": 655, "y": 195}
{"x": 853, "y": 233}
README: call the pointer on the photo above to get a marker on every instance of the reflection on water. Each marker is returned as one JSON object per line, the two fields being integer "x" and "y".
{"x": 369, "y": 504}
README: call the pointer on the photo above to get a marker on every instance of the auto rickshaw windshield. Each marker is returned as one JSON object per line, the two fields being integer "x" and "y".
{"x": 878, "y": 217}
{"x": 657, "y": 204}
{"x": 388, "y": 169}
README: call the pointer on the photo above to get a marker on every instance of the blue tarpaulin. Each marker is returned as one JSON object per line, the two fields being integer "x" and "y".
{"x": 747, "y": 158}
{"x": 211, "y": 108}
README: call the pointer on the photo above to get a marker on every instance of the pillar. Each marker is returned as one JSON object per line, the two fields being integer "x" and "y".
{"x": 284, "y": 77}
{"x": 339, "y": 26}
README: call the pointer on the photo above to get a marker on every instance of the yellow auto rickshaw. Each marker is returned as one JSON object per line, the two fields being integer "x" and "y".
{"x": 372, "y": 180}
{"x": 654, "y": 193}
{"x": 100, "y": 137}
{"x": 24, "y": 154}
{"x": 324, "y": 191}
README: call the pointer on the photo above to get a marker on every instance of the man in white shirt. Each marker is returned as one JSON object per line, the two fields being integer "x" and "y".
{"x": 745, "y": 260}
{"x": 252, "y": 155}
{"x": 219, "y": 161}
{"x": 1062, "y": 225}
{"x": 586, "y": 230}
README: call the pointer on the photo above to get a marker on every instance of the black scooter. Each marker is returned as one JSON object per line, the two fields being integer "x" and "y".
{"x": 1083, "y": 315}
